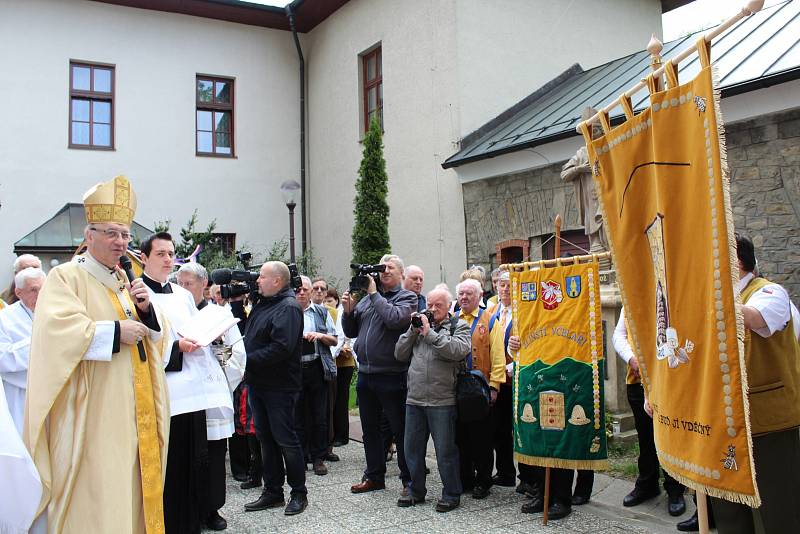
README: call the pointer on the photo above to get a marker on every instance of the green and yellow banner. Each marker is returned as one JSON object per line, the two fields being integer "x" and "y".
{"x": 559, "y": 412}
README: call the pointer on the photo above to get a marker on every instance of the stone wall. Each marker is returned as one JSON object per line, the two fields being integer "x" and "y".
{"x": 764, "y": 158}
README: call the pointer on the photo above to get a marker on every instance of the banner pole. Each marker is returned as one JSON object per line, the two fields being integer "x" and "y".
{"x": 751, "y": 7}
{"x": 702, "y": 511}
{"x": 546, "y": 494}
{"x": 558, "y": 236}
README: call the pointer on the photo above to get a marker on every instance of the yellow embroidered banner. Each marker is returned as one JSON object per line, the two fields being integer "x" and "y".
{"x": 663, "y": 185}
{"x": 559, "y": 409}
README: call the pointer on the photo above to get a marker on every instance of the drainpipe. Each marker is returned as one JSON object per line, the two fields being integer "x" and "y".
{"x": 290, "y": 14}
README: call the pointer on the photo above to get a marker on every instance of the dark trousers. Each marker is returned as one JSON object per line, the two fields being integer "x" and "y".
{"x": 584, "y": 483}
{"x": 560, "y": 484}
{"x": 503, "y": 419}
{"x": 649, "y": 468}
{"x": 239, "y": 454}
{"x": 439, "y": 422}
{"x": 273, "y": 414}
{"x": 382, "y": 394}
{"x": 341, "y": 415}
{"x": 187, "y": 458}
{"x": 311, "y": 416}
{"x": 777, "y": 465}
{"x": 474, "y": 440}
{"x": 256, "y": 468}
{"x": 213, "y": 485}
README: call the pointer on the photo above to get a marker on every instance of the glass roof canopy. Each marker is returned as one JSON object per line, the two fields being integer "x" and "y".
{"x": 64, "y": 232}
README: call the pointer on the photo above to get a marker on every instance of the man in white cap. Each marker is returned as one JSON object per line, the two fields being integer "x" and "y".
{"x": 97, "y": 415}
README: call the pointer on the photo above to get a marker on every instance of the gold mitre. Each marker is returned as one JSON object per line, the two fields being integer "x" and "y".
{"x": 110, "y": 202}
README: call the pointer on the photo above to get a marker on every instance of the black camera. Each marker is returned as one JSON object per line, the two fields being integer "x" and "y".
{"x": 244, "y": 258}
{"x": 294, "y": 277}
{"x": 416, "y": 320}
{"x": 235, "y": 283}
{"x": 361, "y": 271}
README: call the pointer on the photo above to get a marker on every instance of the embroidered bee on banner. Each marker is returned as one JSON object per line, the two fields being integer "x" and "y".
{"x": 729, "y": 462}
{"x": 700, "y": 102}
{"x": 596, "y": 167}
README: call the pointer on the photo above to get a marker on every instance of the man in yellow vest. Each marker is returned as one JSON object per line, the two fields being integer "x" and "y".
{"x": 772, "y": 359}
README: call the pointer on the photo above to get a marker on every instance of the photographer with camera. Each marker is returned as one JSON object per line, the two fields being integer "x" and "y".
{"x": 435, "y": 345}
{"x": 274, "y": 376}
{"x": 378, "y": 320}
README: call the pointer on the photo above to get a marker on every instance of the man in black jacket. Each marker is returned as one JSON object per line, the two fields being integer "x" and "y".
{"x": 274, "y": 377}
{"x": 377, "y": 321}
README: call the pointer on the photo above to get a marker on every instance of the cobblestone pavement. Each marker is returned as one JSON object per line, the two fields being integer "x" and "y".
{"x": 333, "y": 508}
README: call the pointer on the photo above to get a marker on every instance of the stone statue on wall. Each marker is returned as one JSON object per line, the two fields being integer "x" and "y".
{"x": 578, "y": 171}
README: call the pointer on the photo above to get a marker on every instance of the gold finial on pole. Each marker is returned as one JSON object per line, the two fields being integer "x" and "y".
{"x": 655, "y": 46}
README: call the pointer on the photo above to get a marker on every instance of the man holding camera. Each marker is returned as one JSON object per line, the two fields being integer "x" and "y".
{"x": 436, "y": 346}
{"x": 378, "y": 320}
{"x": 274, "y": 376}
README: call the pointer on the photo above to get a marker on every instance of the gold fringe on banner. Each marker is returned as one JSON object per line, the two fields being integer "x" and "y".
{"x": 561, "y": 463}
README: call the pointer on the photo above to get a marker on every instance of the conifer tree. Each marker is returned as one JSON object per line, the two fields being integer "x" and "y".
{"x": 371, "y": 227}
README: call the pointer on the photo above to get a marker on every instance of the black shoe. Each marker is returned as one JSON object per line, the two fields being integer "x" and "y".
{"x": 331, "y": 457}
{"x": 638, "y": 496}
{"x": 676, "y": 505}
{"x": 533, "y": 506}
{"x": 297, "y": 503}
{"x": 407, "y": 500}
{"x": 523, "y": 488}
{"x": 558, "y": 510}
{"x": 241, "y": 477}
{"x": 480, "y": 492}
{"x": 690, "y": 525}
{"x": 578, "y": 500}
{"x": 250, "y": 484}
{"x": 446, "y": 506}
{"x": 216, "y": 522}
{"x": 267, "y": 500}
{"x": 320, "y": 468}
{"x": 340, "y": 443}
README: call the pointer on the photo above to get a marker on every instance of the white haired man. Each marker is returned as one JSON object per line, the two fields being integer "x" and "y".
{"x": 193, "y": 277}
{"x": 23, "y": 261}
{"x": 378, "y": 320}
{"x": 16, "y": 324}
{"x": 436, "y": 350}
{"x": 474, "y": 438}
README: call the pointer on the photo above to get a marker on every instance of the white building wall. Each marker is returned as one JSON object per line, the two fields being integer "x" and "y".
{"x": 419, "y": 86}
{"x": 449, "y": 66}
{"x": 157, "y": 56}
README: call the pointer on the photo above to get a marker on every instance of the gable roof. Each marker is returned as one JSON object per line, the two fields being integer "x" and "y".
{"x": 760, "y": 51}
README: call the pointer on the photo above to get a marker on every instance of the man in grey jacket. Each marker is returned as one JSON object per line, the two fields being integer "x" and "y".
{"x": 436, "y": 351}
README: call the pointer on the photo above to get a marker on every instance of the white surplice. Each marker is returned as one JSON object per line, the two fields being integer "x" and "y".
{"x": 21, "y": 489}
{"x": 16, "y": 323}
{"x": 201, "y": 384}
{"x": 219, "y": 423}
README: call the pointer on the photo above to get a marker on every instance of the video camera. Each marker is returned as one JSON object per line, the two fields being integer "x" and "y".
{"x": 234, "y": 283}
{"x": 361, "y": 272}
{"x": 294, "y": 277}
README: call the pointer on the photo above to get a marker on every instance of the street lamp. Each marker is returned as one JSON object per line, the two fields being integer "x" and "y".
{"x": 290, "y": 189}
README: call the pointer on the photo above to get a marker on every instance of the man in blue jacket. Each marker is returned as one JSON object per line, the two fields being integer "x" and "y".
{"x": 378, "y": 320}
{"x": 274, "y": 378}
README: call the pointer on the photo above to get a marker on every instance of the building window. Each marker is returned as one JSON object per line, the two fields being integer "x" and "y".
{"x": 214, "y": 128}
{"x": 372, "y": 87}
{"x": 225, "y": 241}
{"x": 91, "y": 103}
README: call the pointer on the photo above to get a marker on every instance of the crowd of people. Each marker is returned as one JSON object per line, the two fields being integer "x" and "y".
{"x": 89, "y": 351}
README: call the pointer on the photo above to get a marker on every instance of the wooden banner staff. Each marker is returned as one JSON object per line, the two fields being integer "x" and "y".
{"x": 751, "y": 7}
{"x": 572, "y": 260}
